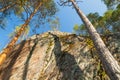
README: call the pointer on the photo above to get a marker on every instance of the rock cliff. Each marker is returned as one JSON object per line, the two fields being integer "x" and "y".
{"x": 57, "y": 56}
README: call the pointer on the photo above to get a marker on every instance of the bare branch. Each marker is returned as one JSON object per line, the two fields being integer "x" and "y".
{"x": 66, "y": 3}
{"x": 63, "y": 3}
{"x": 6, "y": 7}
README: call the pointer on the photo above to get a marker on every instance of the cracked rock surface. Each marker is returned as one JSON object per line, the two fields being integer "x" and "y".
{"x": 54, "y": 56}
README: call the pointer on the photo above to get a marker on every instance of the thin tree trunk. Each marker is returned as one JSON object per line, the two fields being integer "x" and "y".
{"x": 7, "y": 7}
{"x": 110, "y": 64}
{"x": 11, "y": 44}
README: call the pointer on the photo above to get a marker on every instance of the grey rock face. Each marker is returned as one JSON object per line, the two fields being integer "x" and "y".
{"x": 52, "y": 56}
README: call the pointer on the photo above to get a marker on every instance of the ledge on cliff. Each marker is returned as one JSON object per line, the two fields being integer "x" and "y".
{"x": 56, "y": 56}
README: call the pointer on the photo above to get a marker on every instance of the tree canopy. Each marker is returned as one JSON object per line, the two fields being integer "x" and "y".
{"x": 108, "y": 23}
{"x": 23, "y": 8}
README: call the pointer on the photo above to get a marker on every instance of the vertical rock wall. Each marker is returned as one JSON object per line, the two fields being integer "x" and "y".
{"x": 53, "y": 56}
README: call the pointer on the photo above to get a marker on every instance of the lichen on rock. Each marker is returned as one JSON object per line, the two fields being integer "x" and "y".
{"x": 55, "y": 56}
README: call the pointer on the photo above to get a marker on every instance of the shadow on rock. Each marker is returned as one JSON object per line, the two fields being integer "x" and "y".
{"x": 7, "y": 70}
{"x": 66, "y": 63}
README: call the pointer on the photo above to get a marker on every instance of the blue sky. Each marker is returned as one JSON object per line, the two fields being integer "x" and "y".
{"x": 67, "y": 16}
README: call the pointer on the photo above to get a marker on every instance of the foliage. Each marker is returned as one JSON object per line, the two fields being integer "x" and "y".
{"x": 80, "y": 29}
{"x": 23, "y": 36}
{"x": 23, "y": 8}
{"x": 105, "y": 24}
{"x": 54, "y": 24}
{"x": 111, "y": 3}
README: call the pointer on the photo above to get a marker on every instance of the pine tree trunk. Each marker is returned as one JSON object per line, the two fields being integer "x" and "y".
{"x": 11, "y": 44}
{"x": 110, "y": 64}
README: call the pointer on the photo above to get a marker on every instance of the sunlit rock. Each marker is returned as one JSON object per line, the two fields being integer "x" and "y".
{"x": 55, "y": 56}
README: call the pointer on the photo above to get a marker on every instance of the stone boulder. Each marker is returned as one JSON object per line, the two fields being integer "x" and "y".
{"x": 55, "y": 56}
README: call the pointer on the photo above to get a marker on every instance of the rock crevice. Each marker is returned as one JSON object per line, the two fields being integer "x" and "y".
{"x": 55, "y": 56}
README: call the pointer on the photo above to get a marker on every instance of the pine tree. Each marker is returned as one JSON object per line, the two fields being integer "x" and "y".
{"x": 110, "y": 64}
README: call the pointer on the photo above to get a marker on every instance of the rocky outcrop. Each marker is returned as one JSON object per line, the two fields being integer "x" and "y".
{"x": 56, "y": 56}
